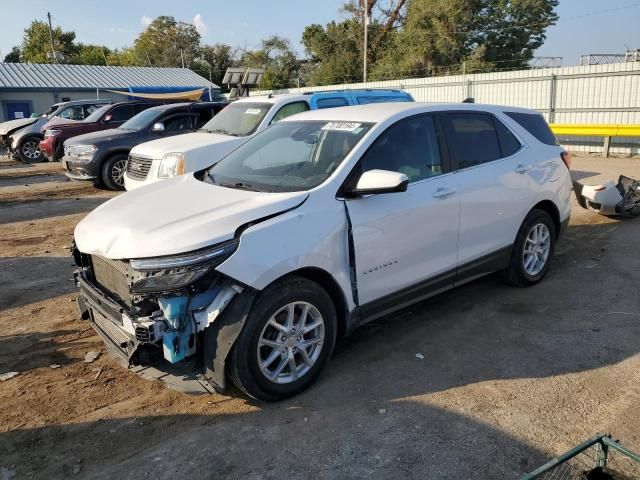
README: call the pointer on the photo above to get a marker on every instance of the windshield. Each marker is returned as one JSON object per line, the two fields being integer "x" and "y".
{"x": 238, "y": 119}
{"x": 95, "y": 116}
{"x": 288, "y": 156}
{"x": 141, "y": 120}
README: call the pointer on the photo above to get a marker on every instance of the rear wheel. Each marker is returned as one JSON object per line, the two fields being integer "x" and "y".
{"x": 532, "y": 250}
{"x": 29, "y": 150}
{"x": 113, "y": 170}
{"x": 288, "y": 338}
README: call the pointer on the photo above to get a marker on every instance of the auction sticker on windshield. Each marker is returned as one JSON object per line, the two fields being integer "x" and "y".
{"x": 253, "y": 111}
{"x": 342, "y": 126}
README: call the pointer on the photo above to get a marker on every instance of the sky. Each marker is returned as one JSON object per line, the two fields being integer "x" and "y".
{"x": 584, "y": 25}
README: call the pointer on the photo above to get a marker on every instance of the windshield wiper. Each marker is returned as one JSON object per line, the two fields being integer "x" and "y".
{"x": 239, "y": 186}
{"x": 224, "y": 132}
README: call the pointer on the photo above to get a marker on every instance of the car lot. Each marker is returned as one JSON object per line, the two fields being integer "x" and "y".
{"x": 509, "y": 377}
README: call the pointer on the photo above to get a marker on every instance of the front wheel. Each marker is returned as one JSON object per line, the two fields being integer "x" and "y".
{"x": 288, "y": 338}
{"x": 533, "y": 250}
{"x": 113, "y": 170}
{"x": 29, "y": 150}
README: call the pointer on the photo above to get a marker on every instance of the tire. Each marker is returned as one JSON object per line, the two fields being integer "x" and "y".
{"x": 244, "y": 365}
{"x": 112, "y": 172}
{"x": 29, "y": 150}
{"x": 58, "y": 154}
{"x": 528, "y": 268}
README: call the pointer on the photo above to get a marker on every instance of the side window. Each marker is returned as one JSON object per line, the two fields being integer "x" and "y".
{"x": 203, "y": 116}
{"x": 120, "y": 114}
{"x": 381, "y": 99}
{"x": 89, "y": 109}
{"x": 475, "y": 140}
{"x": 410, "y": 147}
{"x": 290, "y": 109}
{"x": 73, "y": 113}
{"x": 178, "y": 123}
{"x": 536, "y": 125}
{"x": 332, "y": 102}
{"x": 65, "y": 113}
{"x": 509, "y": 144}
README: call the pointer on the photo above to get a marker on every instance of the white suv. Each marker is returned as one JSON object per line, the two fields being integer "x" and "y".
{"x": 321, "y": 223}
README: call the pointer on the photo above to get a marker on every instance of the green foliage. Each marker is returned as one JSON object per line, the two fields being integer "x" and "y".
{"x": 13, "y": 56}
{"x": 90, "y": 55}
{"x": 36, "y": 45}
{"x": 214, "y": 60}
{"x": 125, "y": 57}
{"x": 278, "y": 60}
{"x": 166, "y": 42}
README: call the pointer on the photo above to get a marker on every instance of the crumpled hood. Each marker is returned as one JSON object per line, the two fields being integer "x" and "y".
{"x": 6, "y": 127}
{"x": 187, "y": 142}
{"x": 174, "y": 216}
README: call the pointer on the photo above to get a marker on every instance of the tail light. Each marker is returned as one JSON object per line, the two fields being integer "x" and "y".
{"x": 566, "y": 158}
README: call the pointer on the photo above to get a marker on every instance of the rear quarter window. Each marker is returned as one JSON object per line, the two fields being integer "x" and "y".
{"x": 536, "y": 125}
{"x": 332, "y": 102}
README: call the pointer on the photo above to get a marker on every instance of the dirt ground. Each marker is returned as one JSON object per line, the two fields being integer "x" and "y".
{"x": 510, "y": 377}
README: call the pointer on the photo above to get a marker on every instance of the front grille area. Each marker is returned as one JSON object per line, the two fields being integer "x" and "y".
{"x": 138, "y": 167}
{"x": 111, "y": 276}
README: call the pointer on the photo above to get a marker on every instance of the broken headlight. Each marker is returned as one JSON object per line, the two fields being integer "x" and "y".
{"x": 176, "y": 271}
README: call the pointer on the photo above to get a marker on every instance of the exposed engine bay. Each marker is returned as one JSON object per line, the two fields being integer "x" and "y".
{"x": 622, "y": 198}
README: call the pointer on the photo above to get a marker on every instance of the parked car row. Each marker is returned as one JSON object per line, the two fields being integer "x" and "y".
{"x": 287, "y": 225}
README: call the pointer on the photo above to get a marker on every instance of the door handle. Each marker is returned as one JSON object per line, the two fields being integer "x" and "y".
{"x": 523, "y": 169}
{"x": 443, "y": 192}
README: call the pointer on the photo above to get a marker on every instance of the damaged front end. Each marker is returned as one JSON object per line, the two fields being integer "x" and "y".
{"x": 156, "y": 311}
{"x": 622, "y": 198}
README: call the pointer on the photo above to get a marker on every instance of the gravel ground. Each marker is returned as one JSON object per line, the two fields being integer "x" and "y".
{"x": 510, "y": 377}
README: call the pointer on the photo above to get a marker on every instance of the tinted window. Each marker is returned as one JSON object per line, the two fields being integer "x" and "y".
{"x": 409, "y": 147}
{"x": 332, "y": 102}
{"x": 509, "y": 144}
{"x": 204, "y": 115}
{"x": 141, "y": 120}
{"x": 474, "y": 138}
{"x": 290, "y": 109}
{"x": 536, "y": 125}
{"x": 178, "y": 123}
{"x": 120, "y": 114}
{"x": 381, "y": 99}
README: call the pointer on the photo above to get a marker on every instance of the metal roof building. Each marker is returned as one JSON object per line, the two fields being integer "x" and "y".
{"x": 27, "y": 88}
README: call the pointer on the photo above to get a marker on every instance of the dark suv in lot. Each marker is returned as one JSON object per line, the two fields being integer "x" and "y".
{"x": 101, "y": 156}
{"x": 110, "y": 116}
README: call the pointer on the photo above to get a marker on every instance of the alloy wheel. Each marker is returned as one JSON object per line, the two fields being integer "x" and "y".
{"x": 117, "y": 172}
{"x": 31, "y": 149}
{"x": 291, "y": 342}
{"x": 537, "y": 247}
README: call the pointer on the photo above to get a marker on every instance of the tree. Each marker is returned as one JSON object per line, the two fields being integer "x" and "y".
{"x": 90, "y": 55}
{"x": 215, "y": 59}
{"x": 278, "y": 60}
{"x": 125, "y": 57}
{"x": 36, "y": 44}
{"x": 439, "y": 36}
{"x": 13, "y": 56}
{"x": 167, "y": 43}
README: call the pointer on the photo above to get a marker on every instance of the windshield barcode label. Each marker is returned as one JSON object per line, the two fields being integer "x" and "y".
{"x": 253, "y": 111}
{"x": 342, "y": 126}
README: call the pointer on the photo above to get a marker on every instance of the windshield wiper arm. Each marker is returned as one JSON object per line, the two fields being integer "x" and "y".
{"x": 239, "y": 186}
{"x": 224, "y": 132}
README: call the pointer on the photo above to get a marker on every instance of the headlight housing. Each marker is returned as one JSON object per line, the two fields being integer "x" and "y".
{"x": 52, "y": 132}
{"x": 171, "y": 165}
{"x": 80, "y": 151}
{"x": 176, "y": 271}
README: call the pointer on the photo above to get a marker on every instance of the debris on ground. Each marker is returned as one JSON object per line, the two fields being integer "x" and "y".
{"x": 91, "y": 356}
{"x": 7, "y": 473}
{"x": 382, "y": 411}
{"x": 419, "y": 356}
{"x": 7, "y": 376}
{"x": 622, "y": 198}
{"x": 99, "y": 370}
{"x": 54, "y": 366}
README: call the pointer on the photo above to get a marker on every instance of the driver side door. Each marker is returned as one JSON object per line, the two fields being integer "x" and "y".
{"x": 405, "y": 243}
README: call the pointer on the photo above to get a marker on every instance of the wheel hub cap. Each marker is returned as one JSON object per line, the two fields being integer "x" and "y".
{"x": 536, "y": 249}
{"x": 290, "y": 342}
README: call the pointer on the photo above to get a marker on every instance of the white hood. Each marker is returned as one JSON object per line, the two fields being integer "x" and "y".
{"x": 174, "y": 216}
{"x": 6, "y": 127}
{"x": 187, "y": 143}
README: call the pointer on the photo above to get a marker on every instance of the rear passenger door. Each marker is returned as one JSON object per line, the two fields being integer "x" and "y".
{"x": 493, "y": 182}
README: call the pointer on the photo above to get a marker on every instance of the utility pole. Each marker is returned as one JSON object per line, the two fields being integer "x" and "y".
{"x": 182, "y": 57}
{"x": 366, "y": 28}
{"x": 53, "y": 49}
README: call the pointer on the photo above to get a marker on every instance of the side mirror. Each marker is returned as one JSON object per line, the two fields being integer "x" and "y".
{"x": 158, "y": 127}
{"x": 380, "y": 181}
